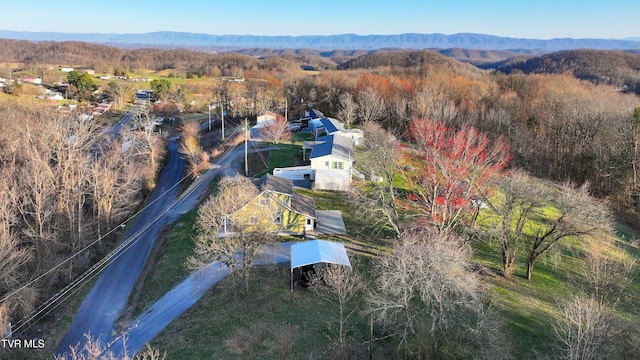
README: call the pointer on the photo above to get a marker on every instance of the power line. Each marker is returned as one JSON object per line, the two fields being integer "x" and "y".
{"x": 88, "y": 275}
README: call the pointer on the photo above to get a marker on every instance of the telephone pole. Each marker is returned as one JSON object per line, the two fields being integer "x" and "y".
{"x": 222, "y": 117}
{"x": 246, "y": 162}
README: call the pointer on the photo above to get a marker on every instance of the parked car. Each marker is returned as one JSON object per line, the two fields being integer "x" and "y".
{"x": 293, "y": 127}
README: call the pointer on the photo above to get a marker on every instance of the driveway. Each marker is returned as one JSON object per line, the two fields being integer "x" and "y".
{"x": 161, "y": 313}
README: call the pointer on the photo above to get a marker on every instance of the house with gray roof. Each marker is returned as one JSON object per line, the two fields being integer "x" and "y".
{"x": 292, "y": 213}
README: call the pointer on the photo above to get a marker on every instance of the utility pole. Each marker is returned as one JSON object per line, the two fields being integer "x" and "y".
{"x": 222, "y": 117}
{"x": 286, "y": 108}
{"x": 209, "y": 107}
{"x": 246, "y": 162}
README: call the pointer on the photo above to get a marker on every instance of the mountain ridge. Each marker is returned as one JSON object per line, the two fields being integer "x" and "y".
{"x": 328, "y": 42}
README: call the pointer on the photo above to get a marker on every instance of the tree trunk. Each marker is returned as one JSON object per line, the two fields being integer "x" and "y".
{"x": 530, "y": 263}
{"x": 507, "y": 265}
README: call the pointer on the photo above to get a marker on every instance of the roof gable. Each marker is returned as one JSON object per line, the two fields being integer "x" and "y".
{"x": 311, "y": 114}
{"x": 331, "y": 125}
{"x": 303, "y": 204}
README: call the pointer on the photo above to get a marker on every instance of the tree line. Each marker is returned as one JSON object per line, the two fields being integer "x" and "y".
{"x": 66, "y": 187}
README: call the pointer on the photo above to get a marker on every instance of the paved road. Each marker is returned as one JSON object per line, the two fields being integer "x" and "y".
{"x": 161, "y": 313}
{"x": 109, "y": 295}
{"x": 126, "y": 119}
{"x": 108, "y": 298}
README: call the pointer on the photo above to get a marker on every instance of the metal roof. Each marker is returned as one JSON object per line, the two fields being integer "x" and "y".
{"x": 276, "y": 184}
{"x": 337, "y": 146}
{"x": 318, "y": 251}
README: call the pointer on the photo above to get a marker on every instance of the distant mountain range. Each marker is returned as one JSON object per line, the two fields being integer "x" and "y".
{"x": 166, "y": 39}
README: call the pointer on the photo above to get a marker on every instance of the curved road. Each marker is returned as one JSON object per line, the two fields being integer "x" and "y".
{"x": 161, "y": 313}
{"x": 108, "y": 297}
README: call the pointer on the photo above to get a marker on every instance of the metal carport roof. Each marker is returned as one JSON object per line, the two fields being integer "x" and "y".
{"x": 317, "y": 251}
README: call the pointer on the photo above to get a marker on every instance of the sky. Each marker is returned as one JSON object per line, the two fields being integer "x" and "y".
{"x": 540, "y": 19}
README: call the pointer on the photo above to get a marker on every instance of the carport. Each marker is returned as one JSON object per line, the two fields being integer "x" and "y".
{"x": 317, "y": 251}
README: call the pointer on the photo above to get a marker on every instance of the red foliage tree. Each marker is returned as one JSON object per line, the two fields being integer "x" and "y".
{"x": 448, "y": 169}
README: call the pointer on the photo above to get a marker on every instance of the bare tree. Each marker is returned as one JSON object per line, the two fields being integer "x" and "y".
{"x": 588, "y": 327}
{"x": 14, "y": 258}
{"x": 93, "y": 350}
{"x": 371, "y": 105}
{"x": 197, "y": 159}
{"x": 578, "y": 215}
{"x": 584, "y": 328}
{"x": 340, "y": 285}
{"x": 520, "y": 199}
{"x": 115, "y": 183}
{"x": 378, "y": 160}
{"x": 276, "y": 131}
{"x": 119, "y": 93}
{"x": 426, "y": 297}
{"x": 239, "y": 249}
{"x": 147, "y": 143}
{"x": 348, "y": 109}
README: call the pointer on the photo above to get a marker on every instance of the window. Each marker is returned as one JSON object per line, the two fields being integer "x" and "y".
{"x": 278, "y": 219}
{"x": 338, "y": 165}
{"x": 326, "y": 164}
{"x": 308, "y": 221}
{"x": 264, "y": 202}
{"x": 253, "y": 220}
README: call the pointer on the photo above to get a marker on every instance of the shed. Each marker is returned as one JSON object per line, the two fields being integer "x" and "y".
{"x": 317, "y": 251}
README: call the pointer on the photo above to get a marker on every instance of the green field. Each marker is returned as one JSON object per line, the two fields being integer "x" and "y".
{"x": 528, "y": 310}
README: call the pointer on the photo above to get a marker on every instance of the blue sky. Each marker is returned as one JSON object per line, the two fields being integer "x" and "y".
{"x": 541, "y": 19}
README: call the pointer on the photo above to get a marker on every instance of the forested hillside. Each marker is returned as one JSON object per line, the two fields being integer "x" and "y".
{"x": 616, "y": 68}
{"x": 561, "y": 126}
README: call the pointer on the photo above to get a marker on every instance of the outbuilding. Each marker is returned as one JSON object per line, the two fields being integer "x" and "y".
{"x": 314, "y": 252}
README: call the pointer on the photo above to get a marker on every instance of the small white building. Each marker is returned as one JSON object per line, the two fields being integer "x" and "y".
{"x": 55, "y": 96}
{"x": 356, "y": 136}
{"x": 262, "y": 121}
{"x": 31, "y": 80}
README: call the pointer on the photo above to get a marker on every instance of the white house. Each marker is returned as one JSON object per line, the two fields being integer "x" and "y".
{"x": 331, "y": 159}
{"x": 331, "y": 156}
{"x": 332, "y": 153}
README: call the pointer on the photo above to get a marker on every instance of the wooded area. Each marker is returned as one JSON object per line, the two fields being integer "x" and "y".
{"x": 441, "y": 136}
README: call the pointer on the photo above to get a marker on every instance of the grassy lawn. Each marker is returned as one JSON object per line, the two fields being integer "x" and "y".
{"x": 187, "y": 118}
{"x": 285, "y": 156}
{"x": 170, "y": 270}
{"x": 299, "y": 137}
{"x": 270, "y": 309}
{"x": 527, "y": 309}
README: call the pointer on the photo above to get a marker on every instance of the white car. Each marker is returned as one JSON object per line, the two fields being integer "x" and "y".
{"x": 294, "y": 127}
